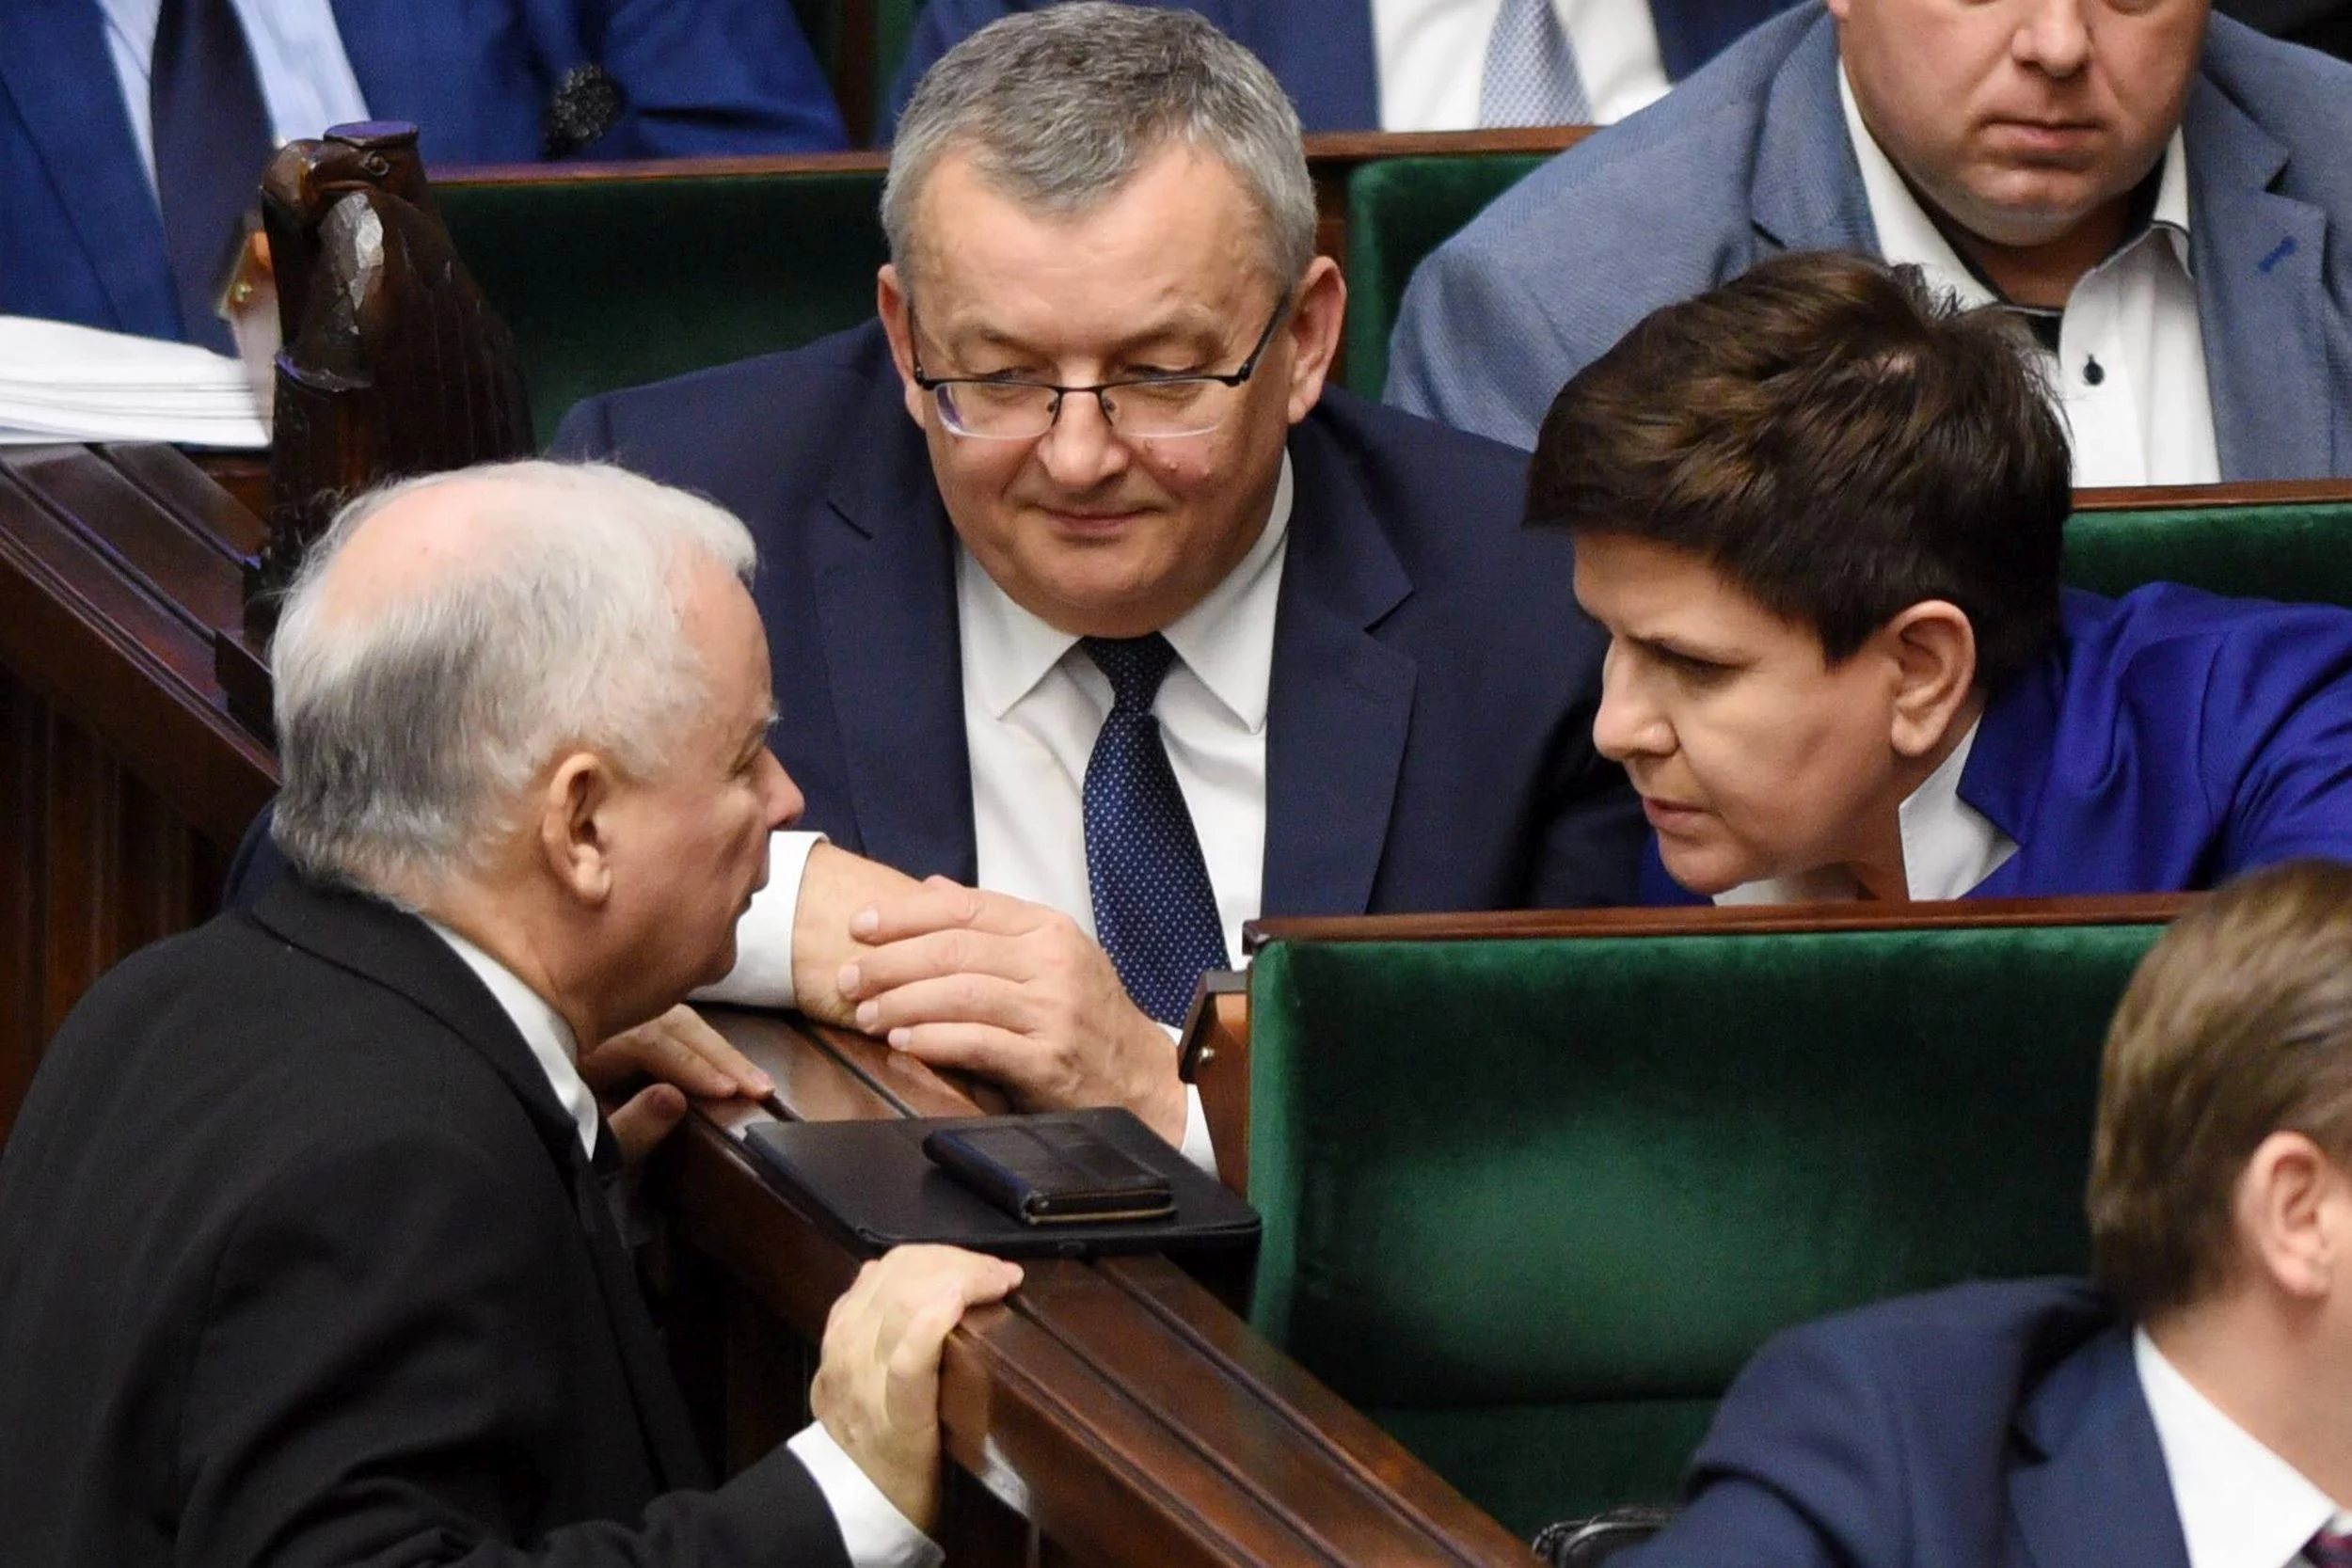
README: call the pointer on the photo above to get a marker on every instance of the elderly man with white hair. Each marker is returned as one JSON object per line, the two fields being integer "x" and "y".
{"x": 309, "y": 1258}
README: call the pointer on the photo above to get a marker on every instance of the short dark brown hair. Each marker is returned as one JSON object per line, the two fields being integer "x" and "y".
{"x": 1835, "y": 440}
{"x": 2238, "y": 1024}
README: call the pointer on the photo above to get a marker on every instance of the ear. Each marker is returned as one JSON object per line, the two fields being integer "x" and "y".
{"x": 896, "y": 307}
{"x": 1933, "y": 650}
{"x": 2293, "y": 1208}
{"x": 1316, "y": 310}
{"x": 574, "y": 827}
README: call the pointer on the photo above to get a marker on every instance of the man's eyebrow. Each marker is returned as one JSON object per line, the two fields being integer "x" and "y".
{"x": 1189, "y": 330}
{"x": 755, "y": 733}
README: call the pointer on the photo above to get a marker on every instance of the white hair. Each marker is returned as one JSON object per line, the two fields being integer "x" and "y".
{"x": 410, "y": 729}
{"x": 1060, "y": 107}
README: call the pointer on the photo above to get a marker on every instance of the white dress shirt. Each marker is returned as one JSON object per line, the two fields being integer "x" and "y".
{"x": 2130, "y": 367}
{"x": 877, "y": 1534}
{"x": 306, "y": 78}
{"x": 1432, "y": 58}
{"x": 1033, "y": 704}
{"x": 2241, "y": 1506}
{"x": 1948, "y": 846}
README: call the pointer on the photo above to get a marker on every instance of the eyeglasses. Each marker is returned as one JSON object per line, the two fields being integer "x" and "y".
{"x": 1008, "y": 408}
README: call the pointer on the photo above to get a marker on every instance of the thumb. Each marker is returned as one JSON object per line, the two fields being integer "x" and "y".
{"x": 645, "y": 1120}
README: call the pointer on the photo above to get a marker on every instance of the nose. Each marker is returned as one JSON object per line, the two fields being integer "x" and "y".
{"x": 1082, "y": 451}
{"x": 1629, "y": 723}
{"x": 783, "y": 798}
{"x": 2052, "y": 36}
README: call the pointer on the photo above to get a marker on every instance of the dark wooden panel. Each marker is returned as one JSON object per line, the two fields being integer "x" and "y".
{"x": 2263, "y": 492}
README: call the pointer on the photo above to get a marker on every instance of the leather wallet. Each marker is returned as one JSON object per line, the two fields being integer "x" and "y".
{"x": 1045, "y": 1171}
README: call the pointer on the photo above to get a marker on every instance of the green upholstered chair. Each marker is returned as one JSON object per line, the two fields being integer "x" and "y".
{"x": 611, "y": 284}
{"x": 1531, "y": 1203}
{"x": 1399, "y": 209}
{"x": 2256, "y": 548}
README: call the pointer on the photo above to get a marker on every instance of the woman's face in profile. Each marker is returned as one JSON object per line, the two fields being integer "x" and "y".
{"x": 1754, "y": 756}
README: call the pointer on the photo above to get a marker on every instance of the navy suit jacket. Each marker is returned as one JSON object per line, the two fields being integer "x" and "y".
{"x": 2173, "y": 739}
{"x": 1429, "y": 741}
{"x": 80, "y": 236}
{"x": 1321, "y": 50}
{"x": 1751, "y": 157}
{"x": 1987, "y": 1424}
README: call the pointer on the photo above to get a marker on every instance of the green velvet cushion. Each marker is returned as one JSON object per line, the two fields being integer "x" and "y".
{"x": 1399, "y": 209}
{"x": 2299, "y": 552}
{"x": 615, "y": 282}
{"x": 1533, "y": 1203}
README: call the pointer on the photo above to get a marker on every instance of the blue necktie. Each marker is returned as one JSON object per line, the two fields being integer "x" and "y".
{"x": 1154, "y": 911}
{"x": 212, "y": 142}
{"x": 1531, "y": 73}
{"x": 2329, "y": 1549}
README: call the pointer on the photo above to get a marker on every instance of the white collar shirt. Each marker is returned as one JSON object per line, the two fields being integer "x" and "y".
{"x": 306, "y": 78}
{"x": 1431, "y": 56}
{"x": 2240, "y": 1505}
{"x": 542, "y": 1027}
{"x": 1948, "y": 846}
{"x": 2129, "y": 373}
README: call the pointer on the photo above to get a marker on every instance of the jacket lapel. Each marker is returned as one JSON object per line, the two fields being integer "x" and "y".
{"x": 1808, "y": 191}
{"x": 400, "y": 953}
{"x": 2090, "y": 1489}
{"x": 2262, "y": 302}
{"x": 885, "y": 574}
{"x": 1339, "y": 702}
{"x": 1322, "y": 50}
{"x": 55, "y": 67}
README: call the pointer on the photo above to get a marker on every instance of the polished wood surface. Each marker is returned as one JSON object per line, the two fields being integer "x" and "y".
{"x": 2263, "y": 492}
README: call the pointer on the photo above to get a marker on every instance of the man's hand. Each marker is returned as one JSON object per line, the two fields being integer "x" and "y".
{"x": 1014, "y": 993}
{"x": 683, "y": 1053}
{"x": 835, "y": 888}
{"x": 877, "y": 1387}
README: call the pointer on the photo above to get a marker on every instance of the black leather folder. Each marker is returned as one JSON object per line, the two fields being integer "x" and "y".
{"x": 871, "y": 1184}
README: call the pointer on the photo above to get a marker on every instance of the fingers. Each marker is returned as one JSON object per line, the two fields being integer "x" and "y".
{"x": 645, "y": 1120}
{"x": 677, "y": 1048}
{"x": 939, "y": 905}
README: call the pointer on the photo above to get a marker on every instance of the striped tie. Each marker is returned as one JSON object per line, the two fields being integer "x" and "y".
{"x": 212, "y": 141}
{"x": 1530, "y": 75}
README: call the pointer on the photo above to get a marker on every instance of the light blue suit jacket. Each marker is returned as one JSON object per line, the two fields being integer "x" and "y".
{"x": 2174, "y": 739}
{"x": 80, "y": 239}
{"x": 1750, "y": 157}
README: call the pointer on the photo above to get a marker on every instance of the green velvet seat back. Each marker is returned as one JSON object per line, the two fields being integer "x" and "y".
{"x": 2294, "y": 550}
{"x": 1531, "y": 1204}
{"x": 1399, "y": 209}
{"x": 615, "y": 282}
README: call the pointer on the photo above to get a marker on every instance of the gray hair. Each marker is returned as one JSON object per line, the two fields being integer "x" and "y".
{"x": 1059, "y": 107}
{"x": 409, "y": 732}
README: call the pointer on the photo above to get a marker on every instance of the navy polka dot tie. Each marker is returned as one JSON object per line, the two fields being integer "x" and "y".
{"x": 1154, "y": 911}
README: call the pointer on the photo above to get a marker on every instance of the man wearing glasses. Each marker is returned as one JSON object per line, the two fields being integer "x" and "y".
{"x": 1085, "y": 591}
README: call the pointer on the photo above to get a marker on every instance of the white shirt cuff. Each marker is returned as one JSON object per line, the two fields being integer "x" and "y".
{"x": 762, "y": 976}
{"x": 877, "y": 1534}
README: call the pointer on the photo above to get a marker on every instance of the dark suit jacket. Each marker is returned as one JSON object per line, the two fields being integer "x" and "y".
{"x": 1321, "y": 50}
{"x": 1988, "y": 1424}
{"x": 2171, "y": 740}
{"x": 80, "y": 236}
{"x": 304, "y": 1264}
{"x": 1429, "y": 741}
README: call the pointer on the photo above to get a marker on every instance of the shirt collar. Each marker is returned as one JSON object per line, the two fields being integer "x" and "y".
{"x": 1227, "y": 639}
{"x": 2241, "y": 1506}
{"x": 542, "y": 1027}
{"x": 1948, "y": 846}
{"x": 1907, "y": 234}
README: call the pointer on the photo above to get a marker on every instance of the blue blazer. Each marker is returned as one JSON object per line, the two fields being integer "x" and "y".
{"x": 2171, "y": 740}
{"x": 80, "y": 236}
{"x": 1429, "y": 743}
{"x": 1987, "y": 1424}
{"x": 1751, "y": 157}
{"x": 1321, "y": 50}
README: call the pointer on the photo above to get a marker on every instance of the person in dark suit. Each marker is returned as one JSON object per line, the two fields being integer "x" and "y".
{"x": 2185, "y": 1411}
{"x": 1092, "y": 424}
{"x": 1822, "y": 511}
{"x": 1328, "y": 53}
{"x": 2160, "y": 195}
{"x": 81, "y": 236}
{"x": 310, "y": 1259}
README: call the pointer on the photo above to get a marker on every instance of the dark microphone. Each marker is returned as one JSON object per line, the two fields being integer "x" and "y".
{"x": 587, "y": 103}
{"x": 2093, "y": 371}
